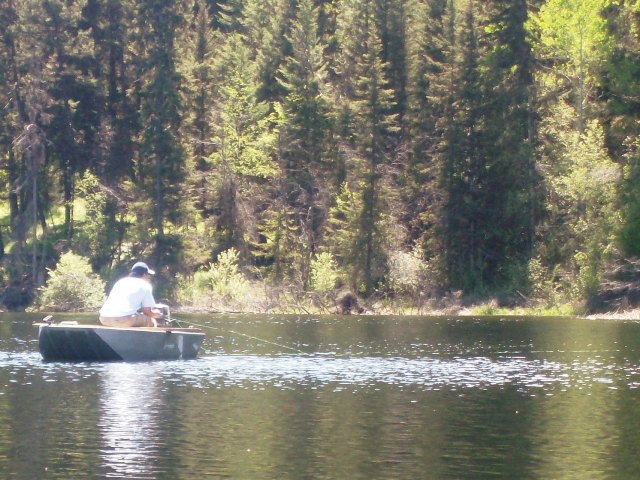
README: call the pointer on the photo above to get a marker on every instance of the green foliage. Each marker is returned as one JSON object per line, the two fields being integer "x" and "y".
{"x": 630, "y": 209}
{"x": 371, "y": 103}
{"x": 505, "y": 147}
{"x": 72, "y": 286}
{"x": 101, "y": 229}
{"x": 408, "y": 272}
{"x": 582, "y": 182}
{"x": 324, "y": 273}
{"x": 574, "y": 39}
{"x": 428, "y": 88}
{"x": 574, "y": 32}
{"x": 281, "y": 248}
{"x": 559, "y": 310}
{"x": 541, "y": 284}
{"x": 245, "y": 136}
{"x": 343, "y": 229}
{"x": 306, "y": 153}
{"x": 162, "y": 154}
{"x": 221, "y": 281}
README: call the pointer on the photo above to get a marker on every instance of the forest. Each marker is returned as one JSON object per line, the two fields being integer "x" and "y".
{"x": 261, "y": 153}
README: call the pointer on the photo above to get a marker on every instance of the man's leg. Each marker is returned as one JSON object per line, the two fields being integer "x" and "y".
{"x": 135, "y": 320}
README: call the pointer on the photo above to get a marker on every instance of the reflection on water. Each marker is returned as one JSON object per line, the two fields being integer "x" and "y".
{"x": 130, "y": 408}
{"x": 374, "y": 398}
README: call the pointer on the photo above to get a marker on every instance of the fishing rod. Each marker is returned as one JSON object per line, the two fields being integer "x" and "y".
{"x": 199, "y": 325}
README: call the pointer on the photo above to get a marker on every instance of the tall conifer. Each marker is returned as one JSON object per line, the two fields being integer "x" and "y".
{"x": 306, "y": 159}
{"x": 429, "y": 90}
{"x": 199, "y": 93}
{"x": 161, "y": 155}
{"x": 374, "y": 127}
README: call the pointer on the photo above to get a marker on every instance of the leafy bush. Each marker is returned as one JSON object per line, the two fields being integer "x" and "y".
{"x": 324, "y": 273}
{"x": 408, "y": 272}
{"x": 72, "y": 286}
{"x": 221, "y": 280}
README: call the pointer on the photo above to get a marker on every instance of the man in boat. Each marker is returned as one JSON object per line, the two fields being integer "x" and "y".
{"x": 130, "y": 302}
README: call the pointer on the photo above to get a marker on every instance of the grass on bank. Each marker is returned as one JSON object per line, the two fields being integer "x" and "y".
{"x": 533, "y": 311}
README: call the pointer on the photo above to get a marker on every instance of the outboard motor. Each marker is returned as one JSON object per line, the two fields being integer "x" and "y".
{"x": 165, "y": 319}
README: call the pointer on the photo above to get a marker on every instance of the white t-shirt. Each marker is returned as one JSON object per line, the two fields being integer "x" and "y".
{"x": 128, "y": 295}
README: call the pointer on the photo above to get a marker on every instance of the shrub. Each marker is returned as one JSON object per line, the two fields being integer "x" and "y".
{"x": 408, "y": 272}
{"x": 72, "y": 286}
{"x": 223, "y": 277}
{"x": 324, "y": 273}
{"x": 221, "y": 280}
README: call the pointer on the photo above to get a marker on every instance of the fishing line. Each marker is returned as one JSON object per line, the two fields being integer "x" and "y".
{"x": 241, "y": 334}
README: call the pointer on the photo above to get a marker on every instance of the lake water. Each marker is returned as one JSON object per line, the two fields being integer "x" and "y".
{"x": 291, "y": 397}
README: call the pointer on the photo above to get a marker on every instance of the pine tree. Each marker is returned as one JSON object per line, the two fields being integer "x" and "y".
{"x": 31, "y": 50}
{"x": 620, "y": 78}
{"x": 161, "y": 163}
{"x": 199, "y": 94}
{"x": 371, "y": 105}
{"x": 507, "y": 146}
{"x": 267, "y": 24}
{"x": 280, "y": 247}
{"x": 488, "y": 174}
{"x": 391, "y": 17}
{"x": 344, "y": 217}
{"x": 429, "y": 91}
{"x": 10, "y": 98}
{"x": 244, "y": 137}
{"x": 74, "y": 124}
{"x": 306, "y": 158}
{"x": 117, "y": 125}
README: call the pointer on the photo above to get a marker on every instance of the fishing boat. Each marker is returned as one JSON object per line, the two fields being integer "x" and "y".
{"x": 71, "y": 341}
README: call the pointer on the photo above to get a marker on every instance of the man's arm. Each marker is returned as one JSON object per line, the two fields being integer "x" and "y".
{"x": 150, "y": 313}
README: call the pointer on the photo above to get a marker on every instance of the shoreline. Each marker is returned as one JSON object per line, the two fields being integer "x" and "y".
{"x": 617, "y": 315}
{"x": 460, "y": 311}
{"x": 632, "y": 314}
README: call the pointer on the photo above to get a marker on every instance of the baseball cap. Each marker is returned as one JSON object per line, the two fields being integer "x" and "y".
{"x": 141, "y": 267}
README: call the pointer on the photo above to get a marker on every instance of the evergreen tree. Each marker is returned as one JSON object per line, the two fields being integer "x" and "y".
{"x": 392, "y": 27}
{"x": 344, "y": 217}
{"x": 31, "y": 55}
{"x": 199, "y": 94}
{"x": 306, "y": 159}
{"x": 620, "y": 78}
{"x": 8, "y": 124}
{"x": 463, "y": 168}
{"x": 267, "y": 24}
{"x": 161, "y": 156}
{"x": 116, "y": 122}
{"x": 244, "y": 138}
{"x": 507, "y": 141}
{"x": 371, "y": 104}
{"x": 73, "y": 124}
{"x": 489, "y": 168}
{"x": 429, "y": 90}
{"x": 280, "y": 248}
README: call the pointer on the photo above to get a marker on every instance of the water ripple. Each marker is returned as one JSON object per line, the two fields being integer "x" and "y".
{"x": 427, "y": 373}
{"x": 288, "y": 371}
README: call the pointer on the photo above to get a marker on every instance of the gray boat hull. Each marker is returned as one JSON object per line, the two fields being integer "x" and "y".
{"x": 93, "y": 343}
